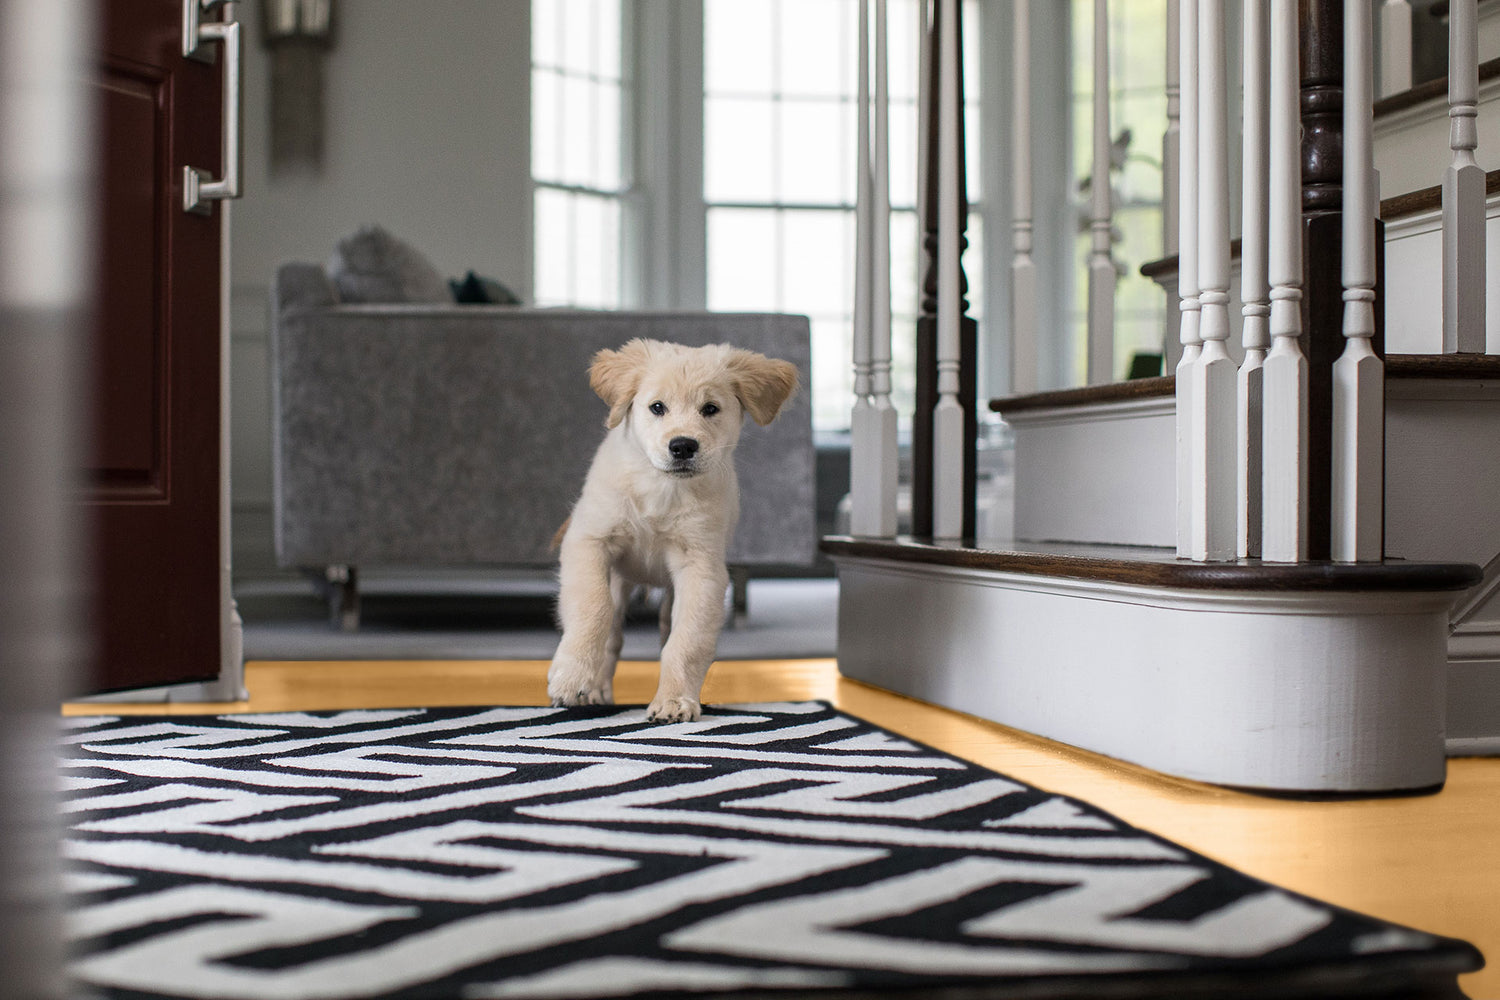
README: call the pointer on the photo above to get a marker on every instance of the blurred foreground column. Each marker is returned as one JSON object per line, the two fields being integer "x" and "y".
{"x": 45, "y": 272}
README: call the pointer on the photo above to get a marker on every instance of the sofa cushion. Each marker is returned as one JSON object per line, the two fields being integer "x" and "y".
{"x": 374, "y": 266}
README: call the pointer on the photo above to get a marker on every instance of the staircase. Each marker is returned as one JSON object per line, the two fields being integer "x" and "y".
{"x": 1315, "y": 676}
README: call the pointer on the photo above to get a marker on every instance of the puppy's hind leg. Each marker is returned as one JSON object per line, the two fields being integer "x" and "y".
{"x": 582, "y": 671}
{"x": 664, "y": 617}
{"x": 620, "y": 591}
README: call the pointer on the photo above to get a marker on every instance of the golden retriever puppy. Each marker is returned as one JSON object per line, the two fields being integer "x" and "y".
{"x": 658, "y": 507}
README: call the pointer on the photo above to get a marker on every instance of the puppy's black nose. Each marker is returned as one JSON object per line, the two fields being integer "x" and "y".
{"x": 683, "y": 448}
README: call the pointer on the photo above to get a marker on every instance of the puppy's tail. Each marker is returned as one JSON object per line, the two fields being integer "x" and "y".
{"x": 557, "y": 538}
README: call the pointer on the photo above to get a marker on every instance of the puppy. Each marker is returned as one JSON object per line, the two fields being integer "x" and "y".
{"x": 658, "y": 506}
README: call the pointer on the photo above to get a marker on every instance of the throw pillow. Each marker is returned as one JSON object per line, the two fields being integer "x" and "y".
{"x": 374, "y": 266}
{"x": 474, "y": 290}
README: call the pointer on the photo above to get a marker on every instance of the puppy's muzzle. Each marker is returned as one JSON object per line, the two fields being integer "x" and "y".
{"x": 684, "y": 452}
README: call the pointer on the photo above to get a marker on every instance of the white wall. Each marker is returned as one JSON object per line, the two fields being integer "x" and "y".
{"x": 427, "y": 129}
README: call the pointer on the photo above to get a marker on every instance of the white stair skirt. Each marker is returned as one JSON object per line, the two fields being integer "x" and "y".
{"x": 1311, "y": 691}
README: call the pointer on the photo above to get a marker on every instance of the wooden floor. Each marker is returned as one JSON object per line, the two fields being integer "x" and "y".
{"x": 1431, "y": 861}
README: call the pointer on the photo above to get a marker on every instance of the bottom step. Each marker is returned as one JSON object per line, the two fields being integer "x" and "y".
{"x": 1314, "y": 677}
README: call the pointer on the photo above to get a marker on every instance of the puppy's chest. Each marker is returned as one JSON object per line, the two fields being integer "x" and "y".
{"x": 648, "y": 534}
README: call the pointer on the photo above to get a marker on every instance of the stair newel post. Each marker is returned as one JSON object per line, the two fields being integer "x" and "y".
{"x": 1463, "y": 191}
{"x": 1213, "y": 389}
{"x": 943, "y": 480}
{"x": 924, "y": 389}
{"x": 1395, "y": 47}
{"x": 1322, "y": 71}
{"x": 872, "y": 464}
{"x": 1285, "y": 376}
{"x": 1358, "y": 452}
{"x": 1023, "y": 268}
{"x": 1187, "y": 270}
{"x": 1101, "y": 320}
{"x": 1254, "y": 285}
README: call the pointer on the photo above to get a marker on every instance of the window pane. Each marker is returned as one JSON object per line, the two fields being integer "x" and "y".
{"x": 903, "y": 159}
{"x": 546, "y": 93}
{"x": 737, "y": 146}
{"x": 816, "y": 274}
{"x": 818, "y": 57}
{"x": 904, "y": 262}
{"x": 605, "y": 174}
{"x": 816, "y": 150}
{"x": 553, "y": 254}
{"x": 544, "y": 33}
{"x": 832, "y": 371}
{"x": 577, "y": 16}
{"x": 595, "y": 261}
{"x": 741, "y": 259}
{"x": 576, "y": 124}
{"x": 737, "y": 56}
{"x": 902, "y": 29}
{"x": 607, "y": 42}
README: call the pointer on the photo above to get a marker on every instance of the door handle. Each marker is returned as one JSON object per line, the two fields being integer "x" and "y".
{"x": 199, "y": 189}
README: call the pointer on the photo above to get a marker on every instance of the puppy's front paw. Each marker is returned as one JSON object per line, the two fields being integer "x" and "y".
{"x": 673, "y": 710}
{"x": 570, "y": 683}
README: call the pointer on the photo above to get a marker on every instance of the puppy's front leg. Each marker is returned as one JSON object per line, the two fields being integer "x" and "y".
{"x": 582, "y": 671}
{"x": 697, "y": 616}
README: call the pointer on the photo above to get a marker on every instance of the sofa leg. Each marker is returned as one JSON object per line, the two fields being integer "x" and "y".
{"x": 739, "y": 581}
{"x": 343, "y": 597}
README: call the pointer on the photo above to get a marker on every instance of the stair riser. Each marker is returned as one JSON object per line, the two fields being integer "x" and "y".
{"x": 1209, "y": 686}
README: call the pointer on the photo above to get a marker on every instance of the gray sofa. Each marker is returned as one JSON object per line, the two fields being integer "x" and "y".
{"x": 459, "y": 435}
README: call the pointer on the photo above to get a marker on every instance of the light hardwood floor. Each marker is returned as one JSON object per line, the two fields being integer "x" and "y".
{"x": 1430, "y": 861}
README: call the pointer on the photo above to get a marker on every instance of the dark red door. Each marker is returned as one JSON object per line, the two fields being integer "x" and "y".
{"x": 153, "y": 483}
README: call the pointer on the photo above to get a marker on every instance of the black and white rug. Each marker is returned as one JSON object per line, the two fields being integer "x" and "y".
{"x": 557, "y": 853}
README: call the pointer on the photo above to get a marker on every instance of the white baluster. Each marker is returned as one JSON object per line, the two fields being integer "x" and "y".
{"x": 1255, "y": 288}
{"x": 1023, "y": 368}
{"x": 1101, "y": 329}
{"x": 1213, "y": 398}
{"x": 861, "y": 442}
{"x": 1463, "y": 191}
{"x": 948, "y": 415}
{"x": 1358, "y": 472}
{"x": 1171, "y": 139}
{"x": 886, "y": 456}
{"x": 1284, "y": 429}
{"x": 1395, "y": 47}
{"x": 1187, "y": 270}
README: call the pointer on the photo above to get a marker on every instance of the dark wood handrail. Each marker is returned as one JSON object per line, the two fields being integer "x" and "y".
{"x": 1477, "y": 367}
{"x": 1428, "y": 90}
{"x": 1160, "y": 568}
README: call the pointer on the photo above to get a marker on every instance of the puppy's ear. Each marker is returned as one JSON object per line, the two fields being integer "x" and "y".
{"x": 762, "y": 384}
{"x": 615, "y": 376}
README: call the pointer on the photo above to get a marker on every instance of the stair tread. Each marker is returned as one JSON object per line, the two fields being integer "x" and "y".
{"x": 1159, "y": 567}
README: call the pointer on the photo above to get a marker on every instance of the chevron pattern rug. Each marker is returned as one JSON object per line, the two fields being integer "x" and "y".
{"x": 782, "y": 849}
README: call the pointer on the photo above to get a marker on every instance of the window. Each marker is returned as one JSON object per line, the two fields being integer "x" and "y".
{"x": 780, "y": 80}
{"x": 1138, "y": 112}
{"x": 579, "y": 91}
{"x": 777, "y": 148}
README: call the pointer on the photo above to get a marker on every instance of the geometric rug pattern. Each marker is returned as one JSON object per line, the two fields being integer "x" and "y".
{"x": 583, "y": 852}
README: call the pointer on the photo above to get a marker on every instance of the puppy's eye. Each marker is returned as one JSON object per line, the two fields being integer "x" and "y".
{"x": 709, "y": 409}
{"x": 658, "y": 408}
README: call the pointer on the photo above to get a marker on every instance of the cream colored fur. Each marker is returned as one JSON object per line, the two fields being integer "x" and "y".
{"x": 647, "y": 516}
